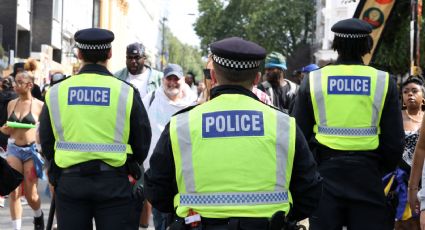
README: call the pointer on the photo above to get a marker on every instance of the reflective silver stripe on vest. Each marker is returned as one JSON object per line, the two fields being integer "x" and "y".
{"x": 54, "y": 107}
{"x": 243, "y": 198}
{"x": 379, "y": 95}
{"x": 320, "y": 99}
{"x": 90, "y": 147}
{"x": 121, "y": 113}
{"x": 283, "y": 132}
{"x": 348, "y": 131}
{"x": 185, "y": 143}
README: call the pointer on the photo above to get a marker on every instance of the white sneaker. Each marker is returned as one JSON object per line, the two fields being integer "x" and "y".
{"x": 24, "y": 201}
{"x": 2, "y": 200}
{"x": 3, "y": 153}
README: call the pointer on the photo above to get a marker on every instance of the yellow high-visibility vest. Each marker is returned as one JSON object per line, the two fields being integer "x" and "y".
{"x": 347, "y": 102}
{"x": 90, "y": 117}
{"x": 233, "y": 157}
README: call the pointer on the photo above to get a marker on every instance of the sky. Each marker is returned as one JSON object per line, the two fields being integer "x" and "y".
{"x": 181, "y": 15}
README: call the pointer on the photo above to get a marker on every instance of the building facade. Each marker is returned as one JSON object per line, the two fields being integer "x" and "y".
{"x": 44, "y": 29}
{"x": 328, "y": 12}
{"x": 131, "y": 21}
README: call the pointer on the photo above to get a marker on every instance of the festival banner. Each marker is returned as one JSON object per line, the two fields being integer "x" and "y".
{"x": 376, "y": 13}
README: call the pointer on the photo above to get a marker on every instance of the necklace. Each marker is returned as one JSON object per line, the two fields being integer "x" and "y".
{"x": 414, "y": 119}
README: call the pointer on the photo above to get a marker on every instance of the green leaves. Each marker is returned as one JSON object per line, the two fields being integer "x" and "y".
{"x": 279, "y": 25}
{"x": 186, "y": 55}
{"x": 393, "y": 52}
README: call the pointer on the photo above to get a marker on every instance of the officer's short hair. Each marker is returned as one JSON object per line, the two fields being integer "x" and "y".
{"x": 352, "y": 37}
{"x": 236, "y": 76}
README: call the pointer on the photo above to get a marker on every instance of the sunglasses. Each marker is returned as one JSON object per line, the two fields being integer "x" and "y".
{"x": 21, "y": 83}
{"x": 134, "y": 57}
{"x": 207, "y": 73}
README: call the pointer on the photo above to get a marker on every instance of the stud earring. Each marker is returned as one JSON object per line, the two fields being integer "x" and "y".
{"x": 404, "y": 106}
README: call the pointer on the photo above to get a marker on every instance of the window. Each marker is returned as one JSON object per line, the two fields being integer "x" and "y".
{"x": 57, "y": 10}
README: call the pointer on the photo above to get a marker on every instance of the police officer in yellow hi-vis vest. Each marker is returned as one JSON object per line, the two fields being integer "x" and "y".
{"x": 350, "y": 114}
{"x": 233, "y": 162}
{"x": 93, "y": 128}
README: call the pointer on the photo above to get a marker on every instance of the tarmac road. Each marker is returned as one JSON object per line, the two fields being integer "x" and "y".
{"x": 27, "y": 217}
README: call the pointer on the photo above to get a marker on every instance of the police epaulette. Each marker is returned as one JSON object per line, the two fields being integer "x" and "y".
{"x": 276, "y": 108}
{"x": 128, "y": 83}
{"x": 60, "y": 81}
{"x": 186, "y": 109}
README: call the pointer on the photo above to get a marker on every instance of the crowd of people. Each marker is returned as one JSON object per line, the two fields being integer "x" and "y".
{"x": 236, "y": 150}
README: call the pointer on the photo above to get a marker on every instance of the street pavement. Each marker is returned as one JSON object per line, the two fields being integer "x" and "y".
{"x": 27, "y": 217}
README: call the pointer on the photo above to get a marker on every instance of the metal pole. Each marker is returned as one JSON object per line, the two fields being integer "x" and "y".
{"x": 418, "y": 31}
{"x": 163, "y": 43}
{"x": 51, "y": 213}
{"x": 413, "y": 38}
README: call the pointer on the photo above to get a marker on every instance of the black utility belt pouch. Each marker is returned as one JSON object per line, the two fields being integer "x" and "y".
{"x": 178, "y": 224}
{"x": 276, "y": 223}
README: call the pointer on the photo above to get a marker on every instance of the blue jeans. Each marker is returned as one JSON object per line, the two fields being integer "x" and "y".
{"x": 160, "y": 220}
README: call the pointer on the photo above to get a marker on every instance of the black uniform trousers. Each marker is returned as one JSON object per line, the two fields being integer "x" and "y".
{"x": 353, "y": 195}
{"x": 105, "y": 196}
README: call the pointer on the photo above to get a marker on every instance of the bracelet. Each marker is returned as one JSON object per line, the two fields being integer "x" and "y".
{"x": 412, "y": 188}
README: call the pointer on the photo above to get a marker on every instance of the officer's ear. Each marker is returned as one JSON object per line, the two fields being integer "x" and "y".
{"x": 110, "y": 54}
{"x": 213, "y": 77}
{"x": 79, "y": 54}
{"x": 257, "y": 79}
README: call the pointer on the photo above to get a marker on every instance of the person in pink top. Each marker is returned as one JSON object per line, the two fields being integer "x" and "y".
{"x": 262, "y": 96}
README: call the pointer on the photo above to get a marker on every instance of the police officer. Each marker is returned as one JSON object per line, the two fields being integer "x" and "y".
{"x": 350, "y": 114}
{"x": 92, "y": 127}
{"x": 233, "y": 162}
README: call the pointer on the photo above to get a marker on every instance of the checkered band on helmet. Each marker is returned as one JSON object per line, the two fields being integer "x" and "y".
{"x": 351, "y": 35}
{"x": 236, "y": 64}
{"x": 93, "y": 46}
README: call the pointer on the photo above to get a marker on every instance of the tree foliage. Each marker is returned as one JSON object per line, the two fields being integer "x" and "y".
{"x": 188, "y": 57}
{"x": 287, "y": 26}
{"x": 278, "y": 25}
{"x": 1, "y": 51}
{"x": 393, "y": 52}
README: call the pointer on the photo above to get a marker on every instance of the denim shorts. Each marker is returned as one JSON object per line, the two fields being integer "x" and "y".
{"x": 23, "y": 153}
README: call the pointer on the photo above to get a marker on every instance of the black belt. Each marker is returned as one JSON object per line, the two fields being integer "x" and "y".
{"x": 328, "y": 154}
{"x": 92, "y": 168}
{"x": 27, "y": 145}
{"x": 236, "y": 221}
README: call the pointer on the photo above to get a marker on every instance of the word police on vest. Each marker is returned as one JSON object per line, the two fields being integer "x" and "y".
{"x": 232, "y": 123}
{"x": 349, "y": 85}
{"x": 89, "y": 96}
